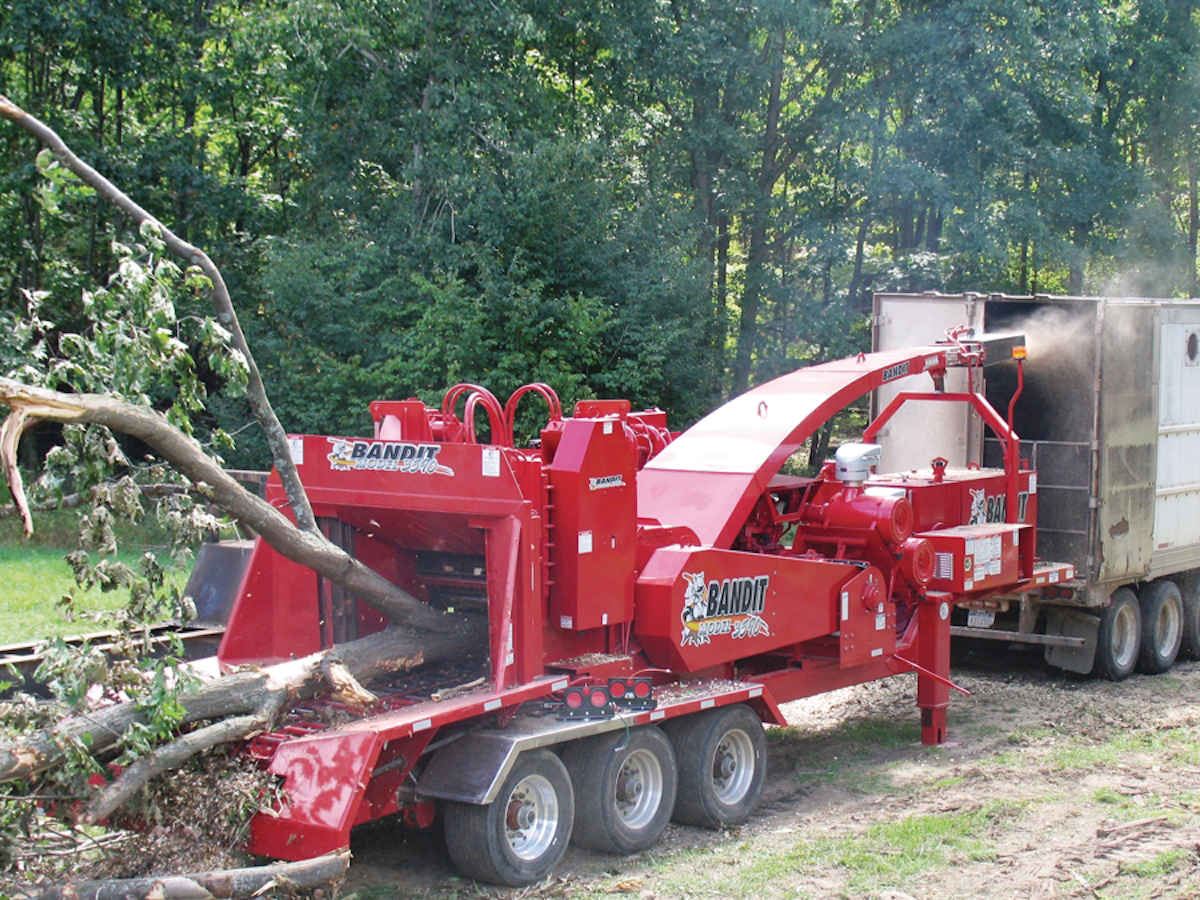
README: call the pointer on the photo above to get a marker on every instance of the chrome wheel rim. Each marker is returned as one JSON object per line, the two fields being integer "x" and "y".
{"x": 1168, "y": 629}
{"x": 639, "y": 789}
{"x": 531, "y": 818}
{"x": 1125, "y": 636}
{"x": 733, "y": 767}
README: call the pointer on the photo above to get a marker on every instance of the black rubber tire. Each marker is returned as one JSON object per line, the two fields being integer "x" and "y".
{"x": 1162, "y": 626}
{"x": 722, "y": 760}
{"x": 1119, "y": 640}
{"x": 490, "y": 843}
{"x": 1190, "y": 645}
{"x": 625, "y": 784}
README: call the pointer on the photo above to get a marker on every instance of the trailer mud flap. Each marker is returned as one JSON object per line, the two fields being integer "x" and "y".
{"x": 469, "y": 770}
{"x": 1077, "y": 624}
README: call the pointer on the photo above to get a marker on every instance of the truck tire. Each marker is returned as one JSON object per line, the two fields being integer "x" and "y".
{"x": 520, "y": 836}
{"x": 1119, "y": 640}
{"x": 625, "y": 783}
{"x": 1162, "y": 626}
{"x": 722, "y": 759}
{"x": 1190, "y": 645}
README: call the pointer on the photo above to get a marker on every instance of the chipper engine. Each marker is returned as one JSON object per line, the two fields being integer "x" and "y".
{"x": 650, "y": 598}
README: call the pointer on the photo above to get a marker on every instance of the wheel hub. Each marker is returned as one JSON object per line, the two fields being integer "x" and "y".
{"x": 726, "y": 765}
{"x": 629, "y": 787}
{"x": 520, "y": 816}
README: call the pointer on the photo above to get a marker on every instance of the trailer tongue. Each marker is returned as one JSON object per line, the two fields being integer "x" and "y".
{"x": 650, "y": 600}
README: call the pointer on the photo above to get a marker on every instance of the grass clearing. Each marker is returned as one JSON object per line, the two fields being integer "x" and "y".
{"x": 1179, "y": 744}
{"x": 884, "y": 855}
{"x": 32, "y": 582}
{"x": 34, "y": 575}
{"x": 853, "y": 766}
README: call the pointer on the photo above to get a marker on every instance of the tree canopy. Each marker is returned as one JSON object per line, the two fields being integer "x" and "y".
{"x": 664, "y": 201}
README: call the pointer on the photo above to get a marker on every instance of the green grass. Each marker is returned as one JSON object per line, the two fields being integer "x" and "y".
{"x": 32, "y": 582}
{"x": 1165, "y": 863}
{"x": 889, "y": 854}
{"x": 894, "y": 853}
{"x": 1179, "y": 744}
{"x": 859, "y": 741}
{"x": 34, "y": 576}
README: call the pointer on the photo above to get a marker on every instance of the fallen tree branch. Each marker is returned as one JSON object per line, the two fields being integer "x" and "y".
{"x": 256, "y": 393}
{"x": 171, "y": 756}
{"x": 262, "y": 693}
{"x": 343, "y": 685}
{"x": 322, "y": 872}
{"x": 186, "y": 455}
{"x": 10, "y": 436}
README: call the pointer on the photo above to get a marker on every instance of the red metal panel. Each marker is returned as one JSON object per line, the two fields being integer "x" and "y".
{"x": 275, "y": 615}
{"x": 324, "y": 779}
{"x": 594, "y": 520}
{"x": 328, "y": 774}
{"x": 450, "y": 478}
{"x": 867, "y": 630}
{"x": 710, "y": 476}
{"x": 701, "y": 608}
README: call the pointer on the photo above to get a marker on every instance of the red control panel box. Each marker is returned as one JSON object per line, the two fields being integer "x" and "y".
{"x": 978, "y": 557}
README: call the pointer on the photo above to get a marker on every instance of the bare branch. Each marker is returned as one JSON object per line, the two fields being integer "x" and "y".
{"x": 171, "y": 756}
{"x": 10, "y": 435}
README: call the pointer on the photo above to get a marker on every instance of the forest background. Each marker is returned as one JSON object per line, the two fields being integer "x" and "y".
{"x": 665, "y": 200}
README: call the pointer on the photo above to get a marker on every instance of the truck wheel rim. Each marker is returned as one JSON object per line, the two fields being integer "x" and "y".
{"x": 733, "y": 767}
{"x": 531, "y": 820}
{"x": 1167, "y": 629}
{"x": 1124, "y": 638}
{"x": 639, "y": 789}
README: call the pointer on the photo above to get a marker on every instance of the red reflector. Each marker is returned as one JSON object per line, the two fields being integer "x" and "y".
{"x": 573, "y": 699}
{"x": 616, "y": 687}
{"x": 598, "y": 697}
{"x": 641, "y": 689}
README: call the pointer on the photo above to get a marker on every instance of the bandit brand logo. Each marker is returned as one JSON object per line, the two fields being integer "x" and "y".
{"x": 987, "y": 510}
{"x": 891, "y": 373}
{"x": 386, "y": 456}
{"x": 606, "y": 481}
{"x": 730, "y": 607}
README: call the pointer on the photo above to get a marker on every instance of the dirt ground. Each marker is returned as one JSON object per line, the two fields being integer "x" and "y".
{"x": 1062, "y": 787}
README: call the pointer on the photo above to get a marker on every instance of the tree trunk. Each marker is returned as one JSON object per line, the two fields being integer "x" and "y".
{"x": 250, "y": 700}
{"x": 757, "y": 271}
{"x": 1192, "y": 282}
{"x": 323, "y": 872}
